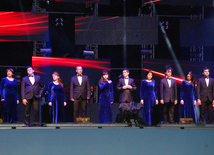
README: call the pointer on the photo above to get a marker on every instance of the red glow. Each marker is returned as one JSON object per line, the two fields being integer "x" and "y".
{"x": 178, "y": 79}
{"x": 152, "y": 1}
{"x": 82, "y": 30}
{"x": 92, "y": 1}
{"x": 81, "y": 18}
{"x": 96, "y": 21}
{"x": 17, "y": 24}
{"x": 66, "y": 62}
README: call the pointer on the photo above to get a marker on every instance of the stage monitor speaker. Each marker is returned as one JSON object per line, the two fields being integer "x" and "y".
{"x": 186, "y": 120}
{"x": 83, "y": 120}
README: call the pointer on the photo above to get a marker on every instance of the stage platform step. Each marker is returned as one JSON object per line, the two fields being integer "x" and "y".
{"x": 187, "y": 126}
{"x": 105, "y": 126}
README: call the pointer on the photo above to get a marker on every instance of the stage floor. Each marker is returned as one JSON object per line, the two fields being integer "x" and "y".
{"x": 105, "y": 139}
{"x": 105, "y": 126}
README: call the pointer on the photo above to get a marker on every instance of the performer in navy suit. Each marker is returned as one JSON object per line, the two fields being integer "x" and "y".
{"x": 9, "y": 97}
{"x": 126, "y": 86}
{"x": 205, "y": 94}
{"x": 31, "y": 91}
{"x": 79, "y": 92}
{"x": 168, "y": 94}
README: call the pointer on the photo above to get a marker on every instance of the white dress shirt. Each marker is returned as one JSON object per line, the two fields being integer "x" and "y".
{"x": 126, "y": 81}
{"x": 79, "y": 79}
{"x": 169, "y": 81}
{"x": 32, "y": 79}
{"x": 207, "y": 81}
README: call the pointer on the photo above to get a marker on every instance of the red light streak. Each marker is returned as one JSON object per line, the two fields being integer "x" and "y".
{"x": 92, "y": 1}
{"x": 82, "y": 30}
{"x": 97, "y": 21}
{"x": 22, "y": 23}
{"x": 81, "y": 18}
{"x": 66, "y": 62}
{"x": 152, "y": 1}
{"x": 162, "y": 75}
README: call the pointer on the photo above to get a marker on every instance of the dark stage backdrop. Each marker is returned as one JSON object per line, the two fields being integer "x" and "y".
{"x": 24, "y": 26}
{"x": 103, "y": 2}
{"x": 116, "y": 30}
{"x": 182, "y": 2}
{"x": 196, "y": 32}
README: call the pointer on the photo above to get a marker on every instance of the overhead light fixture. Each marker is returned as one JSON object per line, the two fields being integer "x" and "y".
{"x": 46, "y": 51}
{"x": 146, "y": 51}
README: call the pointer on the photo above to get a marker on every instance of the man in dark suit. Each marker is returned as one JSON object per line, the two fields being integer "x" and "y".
{"x": 79, "y": 92}
{"x": 205, "y": 94}
{"x": 168, "y": 94}
{"x": 31, "y": 91}
{"x": 126, "y": 86}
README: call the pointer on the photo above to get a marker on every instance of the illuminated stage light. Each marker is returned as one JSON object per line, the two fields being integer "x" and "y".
{"x": 89, "y": 53}
{"x": 146, "y": 51}
{"x": 46, "y": 51}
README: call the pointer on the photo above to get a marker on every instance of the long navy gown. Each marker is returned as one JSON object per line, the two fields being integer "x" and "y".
{"x": 9, "y": 92}
{"x": 187, "y": 94}
{"x": 56, "y": 95}
{"x": 105, "y": 107}
{"x": 148, "y": 93}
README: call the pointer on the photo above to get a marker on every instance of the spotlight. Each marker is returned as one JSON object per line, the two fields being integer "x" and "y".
{"x": 89, "y": 53}
{"x": 46, "y": 51}
{"x": 146, "y": 51}
{"x": 195, "y": 55}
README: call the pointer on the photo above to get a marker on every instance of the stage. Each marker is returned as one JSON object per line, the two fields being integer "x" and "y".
{"x": 105, "y": 126}
{"x": 97, "y": 139}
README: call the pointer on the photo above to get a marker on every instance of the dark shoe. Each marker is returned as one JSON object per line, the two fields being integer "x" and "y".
{"x": 36, "y": 125}
{"x": 200, "y": 122}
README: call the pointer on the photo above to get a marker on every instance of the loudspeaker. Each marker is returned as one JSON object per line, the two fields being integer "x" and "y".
{"x": 186, "y": 120}
{"x": 83, "y": 120}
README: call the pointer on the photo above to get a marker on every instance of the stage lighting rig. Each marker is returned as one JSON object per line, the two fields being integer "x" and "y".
{"x": 89, "y": 53}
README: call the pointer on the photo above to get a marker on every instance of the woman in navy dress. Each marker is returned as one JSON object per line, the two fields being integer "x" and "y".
{"x": 148, "y": 96}
{"x": 57, "y": 99}
{"x": 188, "y": 97}
{"x": 9, "y": 97}
{"x": 106, "y": 99}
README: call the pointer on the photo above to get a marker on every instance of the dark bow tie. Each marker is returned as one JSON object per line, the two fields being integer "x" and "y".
{"x": 206, "y": 77}
{"x": 168, "y": 78}
{"x": 126, "y": 78}
{"x": 79, "y": 75}
{"x": 30, "y": 75}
